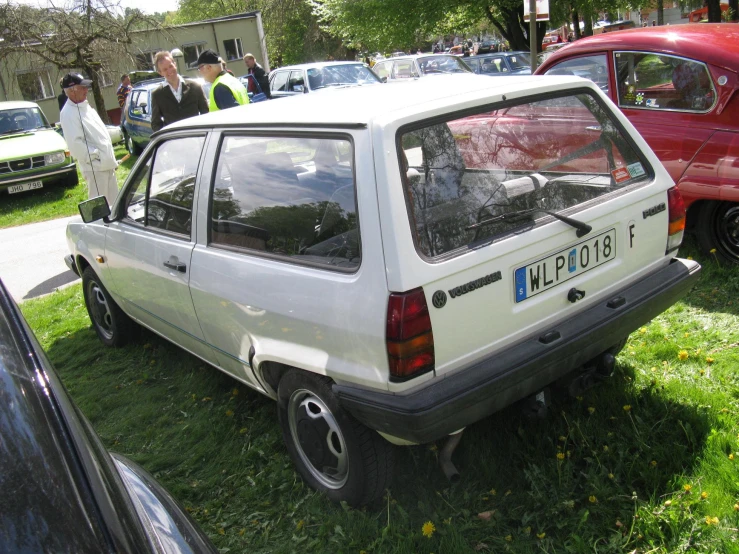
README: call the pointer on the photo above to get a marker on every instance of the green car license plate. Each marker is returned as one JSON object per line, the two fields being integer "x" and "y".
{"x": 547, "y": 273}
{"x": 25, "y": 186}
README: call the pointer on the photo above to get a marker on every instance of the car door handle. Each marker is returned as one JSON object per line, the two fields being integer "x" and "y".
{"x": 595, "y": 128}
{"x": 177, "y": 266}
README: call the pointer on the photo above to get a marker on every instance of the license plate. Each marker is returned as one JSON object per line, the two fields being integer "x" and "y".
{"x": 25, "y": 186}
{"x": 547, "y": 273}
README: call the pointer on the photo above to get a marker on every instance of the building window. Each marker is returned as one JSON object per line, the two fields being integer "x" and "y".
{"x": 105, "y": 79}
{"x": 192, "y": 53}
{"x": 145, "y": 60}
{"x": 35, "y": 85}
{"x": 233, "y": 49}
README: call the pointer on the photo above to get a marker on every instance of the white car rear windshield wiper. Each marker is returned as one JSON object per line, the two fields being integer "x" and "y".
{"x": 582, "y": 228}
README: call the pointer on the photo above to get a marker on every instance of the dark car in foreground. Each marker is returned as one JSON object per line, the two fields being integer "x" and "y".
{"x": 677, "y": 85}
{"x": 62, "y": 491}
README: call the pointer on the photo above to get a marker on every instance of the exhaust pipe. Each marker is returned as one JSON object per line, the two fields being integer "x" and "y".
{"x": 445, "y": 456}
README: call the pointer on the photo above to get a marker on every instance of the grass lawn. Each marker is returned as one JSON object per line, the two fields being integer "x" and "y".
{"x": 647, "y": 462}
{"x": 52, "y": 201}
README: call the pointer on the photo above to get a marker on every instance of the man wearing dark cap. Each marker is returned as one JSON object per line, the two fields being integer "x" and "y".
{"x": 227, "y": 91}
{"x": 88, "y": 139}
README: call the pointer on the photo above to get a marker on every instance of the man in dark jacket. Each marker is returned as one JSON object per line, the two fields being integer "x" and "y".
{"x": 260, "y": 75}
{"x": 176, "y": 98}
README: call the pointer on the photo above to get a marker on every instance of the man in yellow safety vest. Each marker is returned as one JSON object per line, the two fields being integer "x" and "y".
{"x": 227, "y": 91}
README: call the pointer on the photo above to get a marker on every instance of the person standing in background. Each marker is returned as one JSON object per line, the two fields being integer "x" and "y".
{"x": 88, "y": 139}
{"x": 259, "y": 74}
{"x": 62, "y": 98}
{"x": 124, "y": 90}
{"x": 227, "y": 91}
{"x": 176, "y": 98}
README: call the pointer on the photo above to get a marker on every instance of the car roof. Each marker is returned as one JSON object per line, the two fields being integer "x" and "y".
{"x": 15, "y": 104}
{"x": 416, "y": 56}
{"x": 317, "y": 64}
{"x": 361, "y": 105}
{"x": 714, "y": 43}
{"x": 149, "y": 83}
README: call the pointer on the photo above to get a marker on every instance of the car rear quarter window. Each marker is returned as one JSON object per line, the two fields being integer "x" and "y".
{"x": 279, "y": 81}
{"x": 594, "y": 68}
{"x": 382, "y": 69}
{"x": 651, "y": 81}
{"x": 289, "y": 197}
{"x": 161, "y": 193}
{"x": 478, "y": 177}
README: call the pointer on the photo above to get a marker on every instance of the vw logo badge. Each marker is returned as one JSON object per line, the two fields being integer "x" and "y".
{"x": 439, "y": 299}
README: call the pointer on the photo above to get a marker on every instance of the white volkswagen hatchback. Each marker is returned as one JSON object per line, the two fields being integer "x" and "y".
{"x": 391, "y": 264}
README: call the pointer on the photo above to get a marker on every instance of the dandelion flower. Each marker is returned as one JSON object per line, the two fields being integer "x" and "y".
{"x": 221, "y": 531}
{"x": 509, "y": 538}
{"x": 605, "y": 448}
{"x": 493, "y": 492}
{"x": 653, "y": 463}
{"x": 235, "y": 392}
{"x": 712, "y": 251}
{"x": 711, "y": 520}
{"x": 704, "y": 495}
{"x": 560, "y": 455}
{"x": 229, "y": 413}
{"x": 591, "y": 410}
{"x": 540, "y": 535}
{"x": 299, "y": 525}
{"x": 668, "y": 503}
{"x": 643, "y": 330}
{"x": 562, "y": 438}
{"x": 428, "y": 529}
{"x": 593, "y": 499}
{"x": 627, "y": 408}
{"x": 243, "y": 430}
{"x": 527, "y": 530}
{"x": 709, "y": 360}
{"x": 731, "y": 456}
{"x": 611, "y": 475}
{"x": 736, "y": 507}
{"x": 687, "y": 488}
{"x": 683, "y": 354}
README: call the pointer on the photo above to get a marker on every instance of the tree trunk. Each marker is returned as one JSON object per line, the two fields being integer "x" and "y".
{"x": 714, "y": 11}
{"x": 660, "y": 12}
{"x": 576, "y": 23}
{"x": 587, "y": 17}
{"x": 734, "y": 9}
{"x": 97, "y": 94}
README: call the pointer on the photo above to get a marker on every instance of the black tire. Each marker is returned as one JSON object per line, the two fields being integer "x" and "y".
{"x": 113, "y": 327}
{"x": 718, "y": 228}
{"x": 618, "y": 347}
{"x": 350, "y": 463}
{"x": 133, "y": 148}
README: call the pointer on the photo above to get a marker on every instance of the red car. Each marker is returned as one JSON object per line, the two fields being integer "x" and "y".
{"x": 677, "y": 85}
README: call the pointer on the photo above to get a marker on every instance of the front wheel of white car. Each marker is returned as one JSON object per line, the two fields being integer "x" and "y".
{"x": 113, "y": 327}
{"x": 334, "y": 453}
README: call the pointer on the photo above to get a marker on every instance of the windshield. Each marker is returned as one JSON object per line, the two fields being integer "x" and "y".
{"x": 340, "y": 75}
{"x": 519, "y": 61}
{"x": 549, "y": 155}
{"x": 442, "y": 64}
{"x": 21, "y": 119}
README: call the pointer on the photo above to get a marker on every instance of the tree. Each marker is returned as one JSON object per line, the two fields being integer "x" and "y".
{"x": 85, "y": 36}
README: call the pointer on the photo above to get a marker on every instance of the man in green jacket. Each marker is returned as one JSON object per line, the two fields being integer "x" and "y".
{"x": 227, "y": 91}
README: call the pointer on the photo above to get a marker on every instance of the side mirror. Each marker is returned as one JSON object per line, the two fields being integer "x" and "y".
{"x": 94, "y": 209}
{"x": 384, "y": 79}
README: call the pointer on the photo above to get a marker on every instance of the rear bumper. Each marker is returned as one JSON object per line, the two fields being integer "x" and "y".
{"x": 451, "y": 403}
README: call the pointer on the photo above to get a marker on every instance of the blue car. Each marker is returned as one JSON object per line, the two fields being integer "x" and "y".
{"x": 136, "y": 116}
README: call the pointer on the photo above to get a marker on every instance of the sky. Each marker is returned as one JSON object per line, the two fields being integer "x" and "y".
{"x": 146, "y": 6}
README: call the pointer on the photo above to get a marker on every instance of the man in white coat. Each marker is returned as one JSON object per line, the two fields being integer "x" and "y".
{"x": 88, "y": 139}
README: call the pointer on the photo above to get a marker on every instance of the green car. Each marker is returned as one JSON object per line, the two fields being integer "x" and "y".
{"x": 32, "y": 153}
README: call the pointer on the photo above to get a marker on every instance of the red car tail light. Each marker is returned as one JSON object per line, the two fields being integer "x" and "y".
{"x": 676, "y": 218}
{"x": 408, "y": 335}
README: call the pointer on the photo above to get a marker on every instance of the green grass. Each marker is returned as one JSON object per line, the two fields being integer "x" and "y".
{"x": 593, "y": 477}
{"x": 52, "y": 201}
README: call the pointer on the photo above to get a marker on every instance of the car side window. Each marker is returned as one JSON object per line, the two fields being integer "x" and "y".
{"x": 279, "y": 81}
{"x": 659, "y": 82}
{"x": 593, "y": 67}
{"x": 142, "y": 102}
{"x": 404, "y": 69}
{"x": 161, "y": 194}
{"x": 382, "y": 69}
{"x": 291, "y": 197}
{"x": 296, "y": 81}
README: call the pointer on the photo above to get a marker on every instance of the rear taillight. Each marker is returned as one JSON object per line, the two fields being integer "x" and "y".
{"x": 410, "y": 341}
{"x": 676, "y": 216}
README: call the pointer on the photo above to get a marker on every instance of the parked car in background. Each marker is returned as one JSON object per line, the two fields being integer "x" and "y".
{"x": 136, "y": 113}
{"x": 487, "y": 46}
{"x": 502, "y": 63}
{"x": 677, "y": 84}
{"x": 62, "y": 491}
{"x": 408, "y": 67}
{"x": 491, "y": 234}
{"x": 312, "y": 77}
{"x": 32, "y": 154}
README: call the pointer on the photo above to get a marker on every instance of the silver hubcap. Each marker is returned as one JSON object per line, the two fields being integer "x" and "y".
{"x": 318, "y": 439}
{"x": 100, "y": 310}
